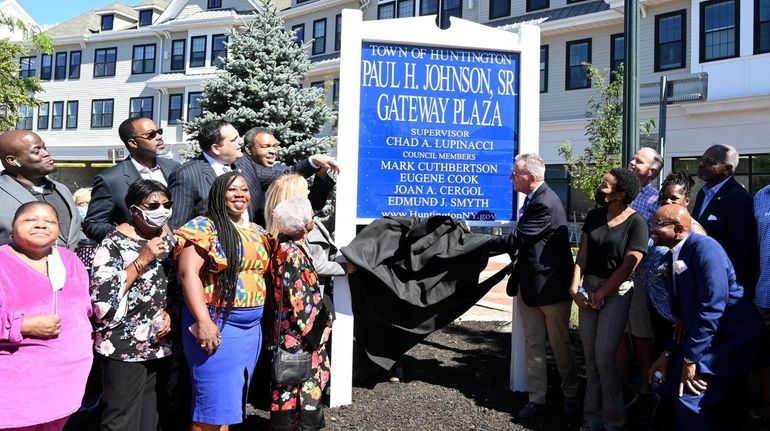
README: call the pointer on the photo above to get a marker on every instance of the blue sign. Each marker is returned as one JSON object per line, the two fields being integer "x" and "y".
{"x": 438, "y": 132}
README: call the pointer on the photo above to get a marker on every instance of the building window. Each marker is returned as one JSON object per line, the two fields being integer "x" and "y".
{"x": 405, "y": 8}
{"x": 336, "y": 90}
{"x": 194, "y": 109}
{"x": 533, "y": 5}
{"x": 218, "y": 49}
{"x": 25, "y": 118}
{"x": 101, "y": 113}
{"x": 215, "y": 4}
{"x": 175, "y": 108}
{"x": 499, "y": 8}
{"x": 75, "y": 59}
{"x": 617, "y": 54}
{"x": 140, "y": 107}
{"x": 107, "y": 22}
{"x": 145, "y": 17}
{"x": 143, "y": 60}
{"x": 177, "y": 54}
{"x": 544, "y": 69}
{"x": 104, "y": 62}
{"x": 319, "y": 36}
{"x": 578, "y": 52}
{"x": 60, "y": 71}
{"x": 761, "y": 26}
{"x": 451, "y": 8}
{"x": 27, "y": 67}
{"x": 42, "y": 116}
{"x": 198, "y": 51}
{"x": 72, "y": 114}
{"x": 338, "y": 31}
{"x": 574, "y": 1}
{"x": 57, "y": 118}
{"x": 317, "y": 84}
{"x": 45, "y": 67}
{"x": 753, "y": 172}
{"x": 670, "y": 41}
{"x": 718, "y": 30}
{"x": 299, "y": 33}
{"x": 386, "y": 10}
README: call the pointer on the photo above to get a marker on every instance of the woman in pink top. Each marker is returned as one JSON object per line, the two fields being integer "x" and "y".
{"x": 45, "y": 334}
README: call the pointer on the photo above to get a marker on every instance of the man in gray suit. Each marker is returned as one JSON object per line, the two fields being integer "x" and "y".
{"x": 144, "y": 142}
{"x": 27, "y": 162}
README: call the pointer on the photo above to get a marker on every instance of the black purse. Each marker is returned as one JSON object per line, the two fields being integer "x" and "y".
{"x": 288, "y": 368}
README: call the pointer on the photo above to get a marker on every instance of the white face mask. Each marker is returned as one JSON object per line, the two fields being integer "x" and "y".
{"x": 155, "y": 218}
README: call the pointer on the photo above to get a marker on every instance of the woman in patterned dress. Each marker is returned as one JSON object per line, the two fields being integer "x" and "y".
{"x": 132, "y": 304}
{"x": 222, "y": 261}
{"x": 302, "y": 319}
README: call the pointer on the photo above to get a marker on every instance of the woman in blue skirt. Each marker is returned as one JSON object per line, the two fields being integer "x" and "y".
{"x": 222, "y": 262}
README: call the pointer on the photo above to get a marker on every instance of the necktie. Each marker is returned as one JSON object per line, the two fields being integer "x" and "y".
{"x": 524, "y": 207}
{"x": 226, "y": 168}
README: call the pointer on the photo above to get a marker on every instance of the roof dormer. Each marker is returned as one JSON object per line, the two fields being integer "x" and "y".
{"x": 117, "y": 16}
{"x": 149, "y": 11}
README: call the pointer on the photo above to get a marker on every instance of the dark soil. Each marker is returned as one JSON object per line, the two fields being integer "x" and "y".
{"x": 457, "y": 379}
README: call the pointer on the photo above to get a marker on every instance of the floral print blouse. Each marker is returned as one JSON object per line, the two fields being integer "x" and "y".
{"x": 255, "y": 259}
{"x": 123, "y": 325}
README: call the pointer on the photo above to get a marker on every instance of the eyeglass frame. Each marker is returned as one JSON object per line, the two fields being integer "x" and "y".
{"x": 152, "y": 134}
{"x": 152, "y": 206}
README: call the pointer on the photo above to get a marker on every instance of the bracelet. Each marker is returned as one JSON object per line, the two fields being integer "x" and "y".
{"x": 139, "y": 266}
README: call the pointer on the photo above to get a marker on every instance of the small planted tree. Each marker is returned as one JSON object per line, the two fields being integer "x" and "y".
{"x": 16, "y": 91}
{"x": 260, "y": 84}
{"x": 604, "y": 131}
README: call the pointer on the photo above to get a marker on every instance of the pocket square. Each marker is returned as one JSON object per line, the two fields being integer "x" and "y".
{"x": 679, "y": 267}
{"x": 711, "y": 217}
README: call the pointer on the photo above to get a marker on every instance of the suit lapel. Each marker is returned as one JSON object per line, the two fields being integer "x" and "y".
{"x": 130, "y": 174}
{"x": 208, "y": 172}
{"x": 15, "y": 190}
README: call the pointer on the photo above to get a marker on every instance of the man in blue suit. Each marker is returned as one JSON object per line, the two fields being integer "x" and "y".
{"x": 722, "y": 328}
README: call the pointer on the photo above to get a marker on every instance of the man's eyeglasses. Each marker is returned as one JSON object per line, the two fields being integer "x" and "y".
{"x": 151, "y": 134}
{"x": 662, "y": 223}
{"x": 152, "y": 206}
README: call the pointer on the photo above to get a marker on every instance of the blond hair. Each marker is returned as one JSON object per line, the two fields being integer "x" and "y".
{"x": 284, "y": 187}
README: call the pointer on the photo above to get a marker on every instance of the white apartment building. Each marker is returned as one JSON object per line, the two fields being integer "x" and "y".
{"x": 117, "y": 61}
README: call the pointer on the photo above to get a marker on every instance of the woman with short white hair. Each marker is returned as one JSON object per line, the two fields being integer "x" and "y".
{"x": 302, "y": 322}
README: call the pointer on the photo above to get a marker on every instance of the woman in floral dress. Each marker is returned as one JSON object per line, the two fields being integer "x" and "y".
{"x": 132, "y": 302}
{"x": 302, "y": 319}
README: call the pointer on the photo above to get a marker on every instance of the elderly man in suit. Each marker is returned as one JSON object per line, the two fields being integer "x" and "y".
{"x": 726, "y": 210}
{"x": 27, "y": 163}
{"x": 544, "y": 267}
{"x": 144, "y": 141}
{"x": 722, "y": 327}
{"x": 262, "y": 146}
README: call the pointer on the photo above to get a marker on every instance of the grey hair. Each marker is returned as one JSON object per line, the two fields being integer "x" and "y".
{"x": 729, "y": 154}
{"x": 291, "y": 217}
{"x": 535, "y": 165}
{"x": 657, "y": 160}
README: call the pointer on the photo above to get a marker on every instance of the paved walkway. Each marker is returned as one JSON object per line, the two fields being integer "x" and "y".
{"x": 495, "y": 305}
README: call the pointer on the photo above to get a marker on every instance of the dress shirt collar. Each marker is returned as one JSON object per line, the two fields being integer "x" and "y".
{"x": 219, "y": 167}
{"x": 716, "y": 187}
{"x": 677, "y": 248}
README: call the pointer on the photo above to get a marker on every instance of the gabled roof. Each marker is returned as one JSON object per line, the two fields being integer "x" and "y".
{"x": 155, "y": 4}
{"x": 90, "y": 22}
{"x": 119, "y": 9}
{"x": 556, "y": 14}
{"x": 176, "y": 6}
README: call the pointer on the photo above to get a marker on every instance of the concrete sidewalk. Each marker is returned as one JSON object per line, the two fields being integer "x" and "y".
{"x": 495, "y": 305}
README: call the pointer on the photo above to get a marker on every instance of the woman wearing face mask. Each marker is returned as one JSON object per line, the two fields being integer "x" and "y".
{"x": 133, "y": 304}
{"x": 614, "y": 242}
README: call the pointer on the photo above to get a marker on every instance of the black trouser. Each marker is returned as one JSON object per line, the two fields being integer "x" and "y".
{"x": 130, "y": 394}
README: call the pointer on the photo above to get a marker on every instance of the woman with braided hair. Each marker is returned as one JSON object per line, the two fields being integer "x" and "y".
{"x": 222, "y": 261}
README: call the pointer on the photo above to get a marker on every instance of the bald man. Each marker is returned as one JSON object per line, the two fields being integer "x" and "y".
{"x": 27, "y": 163}
{"x": 722, "y": 328}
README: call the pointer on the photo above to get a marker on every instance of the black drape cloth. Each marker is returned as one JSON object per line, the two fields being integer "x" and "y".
{"x": 414, "y": 277}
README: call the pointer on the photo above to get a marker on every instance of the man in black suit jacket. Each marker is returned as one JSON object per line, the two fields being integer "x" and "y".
{"x": 262, "y": 147}
{"x": 144, "y": 142}
{"x": 544, "y": 267}
{"x": 726, "y": 210}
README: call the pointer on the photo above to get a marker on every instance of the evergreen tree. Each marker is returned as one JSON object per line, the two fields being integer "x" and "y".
{"x": 16, "y": 91}
{"x": 604, "y": 131}
{"x": 260, "y": 84}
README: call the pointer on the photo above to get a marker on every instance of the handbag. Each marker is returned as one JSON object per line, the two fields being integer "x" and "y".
{"x": 288, "y": 368}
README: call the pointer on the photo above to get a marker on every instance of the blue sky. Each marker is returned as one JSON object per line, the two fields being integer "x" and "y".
{"x": 50, "y": 12}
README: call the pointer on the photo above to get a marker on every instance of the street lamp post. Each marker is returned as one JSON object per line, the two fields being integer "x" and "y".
{"x": 630, "y": 81}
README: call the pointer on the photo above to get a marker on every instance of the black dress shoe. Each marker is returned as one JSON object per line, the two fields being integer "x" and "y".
{"x": 531, "y": 411}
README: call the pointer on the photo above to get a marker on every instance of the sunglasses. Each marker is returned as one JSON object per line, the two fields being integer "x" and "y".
{"x": 152, "y": 206}
{"x": 151, "y": 134}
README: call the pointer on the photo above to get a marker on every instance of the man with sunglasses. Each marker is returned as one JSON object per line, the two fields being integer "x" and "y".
{"x": 144, "y": 141}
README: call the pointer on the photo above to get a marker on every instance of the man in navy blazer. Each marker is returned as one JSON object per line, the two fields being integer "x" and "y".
{"x": 144, "y": 142}
{"x": 544, "y": 272}
{"x": 722, "y": 327}
{"x": 726, "y": 210}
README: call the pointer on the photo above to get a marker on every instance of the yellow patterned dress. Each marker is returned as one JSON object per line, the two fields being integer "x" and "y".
{"x": 220, "y": 381}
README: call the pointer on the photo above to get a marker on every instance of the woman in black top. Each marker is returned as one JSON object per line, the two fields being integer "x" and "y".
{"x": 614, "y": 242}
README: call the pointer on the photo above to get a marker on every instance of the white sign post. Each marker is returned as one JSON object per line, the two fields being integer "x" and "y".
{"x": 459, "y": 101}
